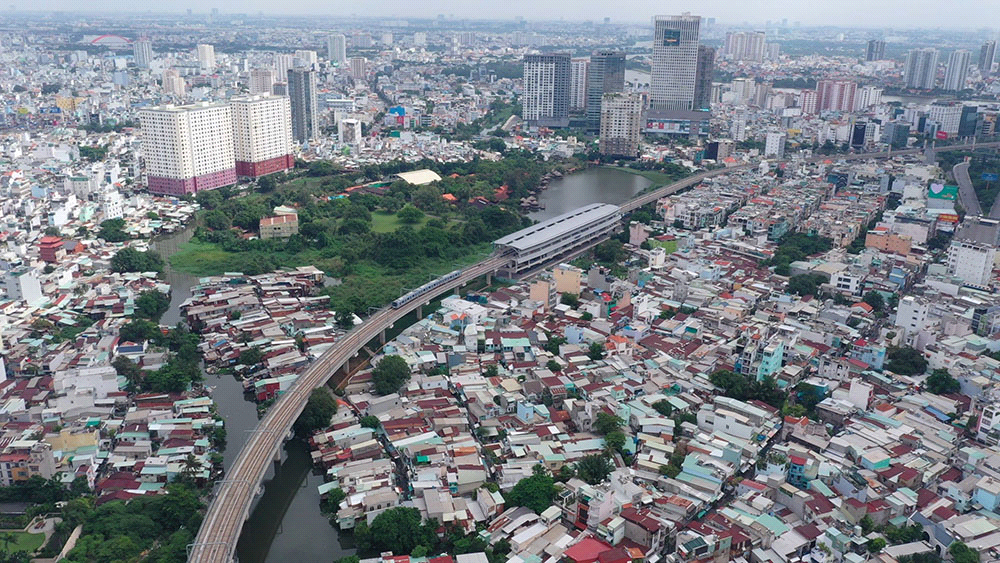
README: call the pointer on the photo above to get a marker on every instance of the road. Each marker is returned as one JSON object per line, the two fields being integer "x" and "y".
{"x": 966, "y": 192}
{"x": 230, "y": 507}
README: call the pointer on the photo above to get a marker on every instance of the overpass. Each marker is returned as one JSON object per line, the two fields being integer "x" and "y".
{"x": 231, "y": 505}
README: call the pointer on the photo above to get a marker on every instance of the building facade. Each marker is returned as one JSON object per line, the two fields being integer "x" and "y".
{"x": 605, "y": 75}
{"x": 986, "y": 55}
{"x": 261, "y": 81}
{"x": 302, "y": 95}
{"x": 745, "y": 45}
{"x": 142, "y": 52}
{"x": 578, "y": 84}
{"x": 703, "y": 77}
{"x": 262, "y": 135}
{"x": 921, "y": 68}
{"x": 545, "y": 101}
{"x": 675, "y": 62}
{"x": 621, "y": 121}
{"x": 875, "y": 50}
{"x": 206, "y": 57}
{"x": 336, "y": 48}
{"x": 188, "y": 149}
{"x": 835, "y": 95}
{"x": 958, "y": 70}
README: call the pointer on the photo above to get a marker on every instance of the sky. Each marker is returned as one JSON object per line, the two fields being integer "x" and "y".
{"x": 948, "y": 14}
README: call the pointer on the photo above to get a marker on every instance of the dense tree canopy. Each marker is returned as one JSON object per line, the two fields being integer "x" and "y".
{"x": 390, "y": 374}
{"x": 745, "y": 388}
{"x": 594, "y": 469}
{"x": 906, "y": 361}
{"x": 152, "y": 304}
{"x": 399, "y": 530}
{"x": 536, "y": 492}
{"x": 318, "y": 411}
{"x": 132, "y": 260}
{"x": 940, "y": 382}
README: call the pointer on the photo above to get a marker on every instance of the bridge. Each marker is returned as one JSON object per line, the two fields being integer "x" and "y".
{"x": 231, "y": 505}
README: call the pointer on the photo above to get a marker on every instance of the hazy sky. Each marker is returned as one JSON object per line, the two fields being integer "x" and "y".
{"x": 956, "y": 14}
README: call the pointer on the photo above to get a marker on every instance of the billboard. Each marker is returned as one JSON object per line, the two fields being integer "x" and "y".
{"x": 941, "y": 191}
{"x": 990, "y": 177}
{"x": 671, "y": 37}
{"x": 948, "y": 218}
{"x": 941, "y": 135}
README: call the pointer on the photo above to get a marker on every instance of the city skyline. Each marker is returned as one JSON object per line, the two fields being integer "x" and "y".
{"x": 896, "y": 14}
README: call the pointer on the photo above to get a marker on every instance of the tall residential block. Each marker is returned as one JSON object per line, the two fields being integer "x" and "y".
{"x": 703, "y": 77}
{"x": 986, "y": 55}
{"x": 867, "y": 96}
{"x": 621, "y": 121}
{"x": 835, "y": 95}
{"x": 921, "y": 68}
{"x": 336, "y": 48}
{"x": 605, "y": 75}
{"x": 206, "y": 57}
{"x": 745, "y": 45}
{"x": 578, "y": 84}
{"x": 305, "y": 112}
{"x": 675, "y": 62}
{"x": 262, "y": 135}
{"x": 188, "y": 149}
{"x": 283, "y": 62}
{"x": 142, "y": 52}
{"x": 306, "y": 58}
{"x": 957, "y": 70}
{"x": 545, "y": 102}
{"x": 173, "y": 83}
{"x": 875, "y": 51}
{"x": 359, "y": 68}
{"x": 261, "y": 81}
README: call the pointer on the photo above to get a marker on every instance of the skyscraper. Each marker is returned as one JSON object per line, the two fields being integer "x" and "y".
{"x": 986, "y": 54}
{"x": 261, "y": 81}
{"x": 305, "y": 113}
{"x": 188, "y": 149}
{"x": 921, "y": 68}
{"x": 306, "y": 58}
{"x": 675, "y": 62}
{"x": 745, "y": 45}
{"x": 206, "y": 57}
{"x": 578, "y": 84}
{"x": 621, "y": 120}
{"x": 282, "y": 63}
{"x": 875, "y": 50}
{"x": 336, "y": 48}
{"x": 958, "y": 69}
{"x": 545, "y": 101}
{"x": 262, "y": 135}
{"x": 835, "y": 95}
{"x": 605, "y": 75}
{"x": 703, "y": 77}
{"x": 359, "y": 68}
{"x": 142, "y": 52}
{"x": 173, "y": 83}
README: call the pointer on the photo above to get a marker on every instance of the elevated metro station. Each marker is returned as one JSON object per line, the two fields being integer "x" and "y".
{"x": 556, "y": 237}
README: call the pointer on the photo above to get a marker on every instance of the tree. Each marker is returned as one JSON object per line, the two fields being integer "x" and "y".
{"x": 663, "y": 407}
{"x": 875, "y": 300}
{"x": 570, "y": 299}
{"x": 409, "y": 214}
{"x": 217, "y": 220}
{"x": 112, "y": 230}
{"x": 876, "y": 545}
{"x": 906, "y": 361}
{"x": 553, "y": 365}
{"x": 867, "y": 525}
{"x": 614, "y": 441}
{"x": 151, "y": 304}
{"x": 609, "y": 252}
{"x": 586, "y": 316}
{"x": 251, "y": 356}
{"x": 132, "y": 260}
{"x": 129, "y": 369}
{"x": 535, "y": 492}
{"x": 333, "y": 499}
{"x": 138, "y": 330}
{"x": 491, "y": 371}
{"x": 370, "y": 421}
{"x": 595, "y": 351}
{"x": 344, "y": 318}
{"x": 805, "y": 284}
{"x": 606, "y": 423}
{"x": 399, "y": 530}
{"x": 390, "y": 373}
{"x": 940, "y": 382}
{"x": 594, "y": 469}
{"x": 317, "y": 413}
{"x": 267, "y": 183}
{"x": 961, "y": 553}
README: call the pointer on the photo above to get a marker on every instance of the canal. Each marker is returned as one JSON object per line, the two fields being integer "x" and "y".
{"x": 286, "y": 523}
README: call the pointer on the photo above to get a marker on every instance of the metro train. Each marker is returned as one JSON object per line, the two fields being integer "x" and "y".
{"x": 427, "y": 287}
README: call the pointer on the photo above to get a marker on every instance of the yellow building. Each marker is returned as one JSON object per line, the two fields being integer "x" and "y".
{"x": 567, "y": 278}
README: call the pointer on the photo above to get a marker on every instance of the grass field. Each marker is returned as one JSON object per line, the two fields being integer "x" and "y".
{"x": 383, "y": 222}
{"x": 204, "y": 259}
{"x": 25, "y": 542}
{"x": 669, "y": 245}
